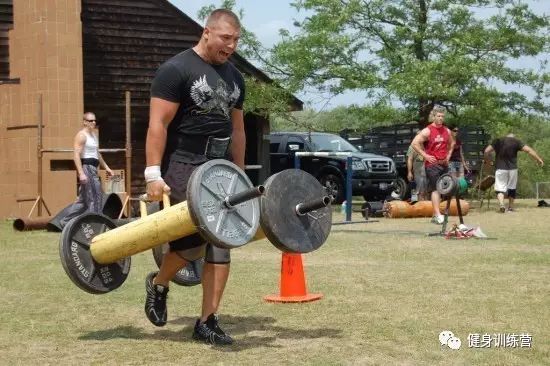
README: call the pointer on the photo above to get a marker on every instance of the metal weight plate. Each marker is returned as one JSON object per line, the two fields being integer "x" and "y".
{"x": 190, "y": 275}
{"x": 284, "y": 228}
{"x": 446, "y": 185}
{"x": 82, "y": 269}
{"x": 374, "y": 208}
{"x": 207, "y": 188}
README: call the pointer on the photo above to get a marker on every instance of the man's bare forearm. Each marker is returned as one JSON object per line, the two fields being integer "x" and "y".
{"x": 155, "y": 143}
{"x": 238, "y": 146}
{"x": 409, "y": 164}
{"x": 78, "y": 162}
{"x": 102, "y": 162}
{"x": 533, "y": 154}
{"x": 417, "y": 146}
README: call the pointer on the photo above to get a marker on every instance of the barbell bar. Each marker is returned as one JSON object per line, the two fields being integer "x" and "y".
{"x": 96, "y": 254}
{"x": 296, "y": 220}
{"x": 294, "y": 212}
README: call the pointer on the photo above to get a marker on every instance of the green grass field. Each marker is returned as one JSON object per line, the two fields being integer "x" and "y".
{"x": 389, "y": 290}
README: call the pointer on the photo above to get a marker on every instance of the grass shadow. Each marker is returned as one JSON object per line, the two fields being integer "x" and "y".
{"x": 130, "y": 332}
{"x": 246, "y": 329}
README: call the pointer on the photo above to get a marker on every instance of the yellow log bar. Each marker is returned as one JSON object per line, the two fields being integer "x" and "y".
{"x": 148, "y": 232}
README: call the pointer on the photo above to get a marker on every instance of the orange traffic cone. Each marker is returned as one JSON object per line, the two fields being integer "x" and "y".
{"x": 293, "y": 282}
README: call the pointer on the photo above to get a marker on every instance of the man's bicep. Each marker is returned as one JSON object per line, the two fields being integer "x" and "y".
{"x": 421, "y": 137}
{"x": 162, "y": 112}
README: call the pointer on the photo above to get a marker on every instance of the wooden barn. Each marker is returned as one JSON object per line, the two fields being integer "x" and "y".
{"x": 61, "y": 58}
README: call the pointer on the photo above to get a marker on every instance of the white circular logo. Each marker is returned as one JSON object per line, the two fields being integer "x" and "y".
{"x": 444, "y": 337}
{"x": 454, "y": 343}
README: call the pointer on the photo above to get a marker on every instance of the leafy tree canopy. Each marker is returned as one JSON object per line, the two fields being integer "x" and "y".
{"x": 420, "y": 52}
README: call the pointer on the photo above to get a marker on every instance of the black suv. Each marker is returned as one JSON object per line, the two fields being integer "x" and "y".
{"x": 373, "y": 175}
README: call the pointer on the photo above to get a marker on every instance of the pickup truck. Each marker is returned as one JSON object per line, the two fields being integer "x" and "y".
{"x": 373, "y": 175}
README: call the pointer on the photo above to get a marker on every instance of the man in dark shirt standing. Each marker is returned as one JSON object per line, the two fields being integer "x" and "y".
{"x": 506, "y": 174}
{"x": 195, "y": 115}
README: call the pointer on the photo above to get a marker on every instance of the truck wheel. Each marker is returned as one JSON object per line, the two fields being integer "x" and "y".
{"x": 334, "y": 185}
{"x": 401, "y": 189}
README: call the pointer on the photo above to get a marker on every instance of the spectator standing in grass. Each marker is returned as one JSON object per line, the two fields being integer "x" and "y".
{"x": 506, "y": 175}
{"x": 457, "y": 163}
{"x": 435, "y": 144}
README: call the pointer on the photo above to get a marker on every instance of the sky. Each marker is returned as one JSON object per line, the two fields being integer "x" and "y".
{"x": 266, "y": 17}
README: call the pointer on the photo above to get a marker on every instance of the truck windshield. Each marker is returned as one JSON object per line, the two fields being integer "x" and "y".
{"x": 332, "y": 143}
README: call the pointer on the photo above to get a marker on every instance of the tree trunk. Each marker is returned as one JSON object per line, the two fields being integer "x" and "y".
{"x": 424, "y": 106}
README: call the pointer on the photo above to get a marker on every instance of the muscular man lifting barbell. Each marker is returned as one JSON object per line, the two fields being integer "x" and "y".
{"x": 196, "y": 109}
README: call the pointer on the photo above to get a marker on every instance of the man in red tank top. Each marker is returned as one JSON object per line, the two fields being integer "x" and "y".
{"x": 435, "y": 143}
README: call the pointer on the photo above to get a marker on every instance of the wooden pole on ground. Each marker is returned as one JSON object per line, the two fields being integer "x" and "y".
{"x": 128, "y": 145}
{"x": 39, "y": 156}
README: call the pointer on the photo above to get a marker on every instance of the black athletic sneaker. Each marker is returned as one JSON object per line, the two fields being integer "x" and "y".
{"x": 210, "y": 332}
{"x": 155, "y": 301}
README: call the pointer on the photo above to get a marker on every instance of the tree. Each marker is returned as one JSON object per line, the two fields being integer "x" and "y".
{"x": 420, "y": 52}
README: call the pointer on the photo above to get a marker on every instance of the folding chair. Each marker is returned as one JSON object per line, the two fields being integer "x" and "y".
{"x": 484, "y": 186}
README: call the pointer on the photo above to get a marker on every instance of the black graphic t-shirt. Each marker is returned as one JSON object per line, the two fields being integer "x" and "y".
{"x": 506, "y": 151}
{"x": 206, "y": 94}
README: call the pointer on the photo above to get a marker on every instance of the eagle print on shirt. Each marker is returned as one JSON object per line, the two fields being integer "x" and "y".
{"x": 220, "y": 99}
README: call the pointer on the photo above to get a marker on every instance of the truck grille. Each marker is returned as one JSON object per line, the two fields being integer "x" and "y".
{"x": 378, "y": 166}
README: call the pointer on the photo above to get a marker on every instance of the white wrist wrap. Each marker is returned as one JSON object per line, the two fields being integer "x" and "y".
{"x": 152, "y": 173}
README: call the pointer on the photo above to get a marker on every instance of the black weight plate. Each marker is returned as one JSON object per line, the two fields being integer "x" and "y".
{"x": 82, "y": 269}
{"x": 374, "y": 208}
{"x": 190, "y": 275}
{"x": 284, "y": 228}
{"x": 446, "y": 185}
{"x": 207, "y": 188}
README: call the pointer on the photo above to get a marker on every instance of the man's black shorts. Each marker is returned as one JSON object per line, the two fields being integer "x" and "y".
{"x": 433, "y": 172}
{"x": 177, "y": 176}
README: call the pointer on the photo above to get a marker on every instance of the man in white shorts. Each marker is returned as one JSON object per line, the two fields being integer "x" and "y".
{"x": 506, "y": 175}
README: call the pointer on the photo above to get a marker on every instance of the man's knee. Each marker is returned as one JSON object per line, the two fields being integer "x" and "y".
{"x": 190, "y": 247}
{"x": 191, "y": 254}
{"x": 217, "y": 255}
{"x": 502, "y": 194}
